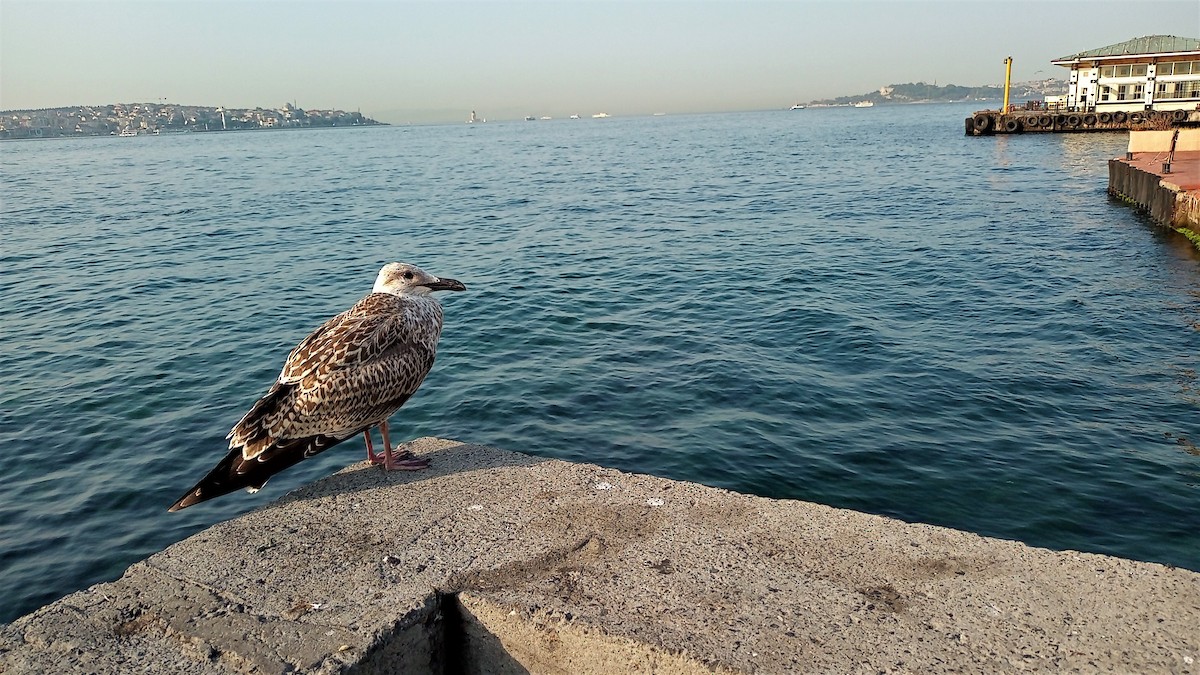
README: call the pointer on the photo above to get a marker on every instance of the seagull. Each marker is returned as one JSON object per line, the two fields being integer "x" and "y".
{"x": 347, "y": 376}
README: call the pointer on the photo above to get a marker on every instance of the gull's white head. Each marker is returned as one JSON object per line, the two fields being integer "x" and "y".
{"x": 404, "y": 279}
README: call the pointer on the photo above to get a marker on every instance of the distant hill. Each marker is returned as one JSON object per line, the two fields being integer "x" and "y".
{"x": 134, "y": 119}
{"x": 921, "y": 92}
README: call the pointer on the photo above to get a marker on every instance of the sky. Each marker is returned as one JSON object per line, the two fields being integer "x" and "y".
{"x": 419, "y": 62}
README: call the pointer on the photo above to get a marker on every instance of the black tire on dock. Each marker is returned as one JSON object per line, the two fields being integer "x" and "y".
{"x": 1012, "y": 125}
{"x": 1060, "y": 119}
{"x": 982, "y": 121}
{"x": 1089, "y": 120}
{"x": 1105, "y": 118}
{"x": 1179, "y": 115}
{"x": 1119, "y": 117}
{"x": 1136, "y": 118}
{"x": 1044, "y": 121}
{"x": 1073, "y": 121}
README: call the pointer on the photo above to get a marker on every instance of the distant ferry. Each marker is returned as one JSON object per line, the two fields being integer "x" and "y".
{"x": 864, "y": 104}
{"x": 574, "y": 117}
{"x": 530, "y": 118}
{"x": 599, "y": 115}
{"x": 128, "y": 132}
{"x": 796, "y": 107}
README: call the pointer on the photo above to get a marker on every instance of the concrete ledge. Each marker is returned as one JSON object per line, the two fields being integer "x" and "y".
{"x": 1172, "y": 199}
{"x": 493, "y": 561}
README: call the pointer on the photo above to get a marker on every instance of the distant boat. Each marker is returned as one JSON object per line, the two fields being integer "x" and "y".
{"x": 574, "y": 117}
{"x": 796, "y": 107}
{"x": 530, "y": 118}
{"x": 547, "y": 117}
{"x": 475, "y": 119}
{"x": 864, "y": 104}
{"x": 599, "y": 115}
{"x": 128, "y": 132}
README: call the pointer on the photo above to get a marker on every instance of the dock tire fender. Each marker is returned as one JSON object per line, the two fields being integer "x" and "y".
{"x": 1060, "y": 119}
{"x": 982, "y": 122}
{"x": 1012, "y": 125}
{"x": 1105, "y": 118}
{"x": 1089, "y": 120}
{"x": 1179, "y": 115}
{"x": 1136, "y": 118}
{"x": 1120, "y": 117}
{"x": 1073, "y": 121}
{"x": 1044, "y": 121}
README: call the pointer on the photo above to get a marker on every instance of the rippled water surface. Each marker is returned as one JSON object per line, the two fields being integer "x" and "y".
{"x": 859, "y": 307}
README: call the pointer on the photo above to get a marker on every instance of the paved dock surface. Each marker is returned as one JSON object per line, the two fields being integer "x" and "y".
{"x": 1160, "y": 174}
{"x": 1185, "y": 168}
{"x": 493, "y": 561}
{"x": 1149, "y": 151}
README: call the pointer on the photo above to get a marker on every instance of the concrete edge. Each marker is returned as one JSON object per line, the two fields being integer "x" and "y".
{"x": 578, "y": 568}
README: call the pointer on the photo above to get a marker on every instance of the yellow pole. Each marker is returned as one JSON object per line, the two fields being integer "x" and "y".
{"x": 1007, "y": 82}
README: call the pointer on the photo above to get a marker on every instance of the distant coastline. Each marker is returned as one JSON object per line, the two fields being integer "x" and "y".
{"x": 137, "y": 119}
{"x": 921, "y": 92}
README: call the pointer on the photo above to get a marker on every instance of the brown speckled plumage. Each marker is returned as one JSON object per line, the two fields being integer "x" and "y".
{"x": 348, "y": 376}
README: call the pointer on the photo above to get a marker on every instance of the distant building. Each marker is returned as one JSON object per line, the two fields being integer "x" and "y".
{"x": 1156, "y": 72}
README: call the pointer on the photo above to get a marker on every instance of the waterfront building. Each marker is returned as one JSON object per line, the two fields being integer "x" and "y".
{"x": 1156, "y": 72}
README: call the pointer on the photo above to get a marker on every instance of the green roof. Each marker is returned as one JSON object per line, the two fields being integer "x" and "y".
{"x": 1150, "y": 44}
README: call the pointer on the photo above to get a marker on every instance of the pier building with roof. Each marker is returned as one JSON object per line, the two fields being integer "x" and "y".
{"x": 1155, "y": 72}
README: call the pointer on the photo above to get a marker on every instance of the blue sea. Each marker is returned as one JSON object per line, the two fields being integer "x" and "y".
{"x": 857, "y": 307}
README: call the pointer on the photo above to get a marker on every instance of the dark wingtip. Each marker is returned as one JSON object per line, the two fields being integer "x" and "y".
{"x": 214, "y": 484}
{"x": 233, "y": 474}
{"x": 192, "y": 497}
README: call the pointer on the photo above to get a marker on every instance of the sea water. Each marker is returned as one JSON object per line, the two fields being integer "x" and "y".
{"x": 858, "y": 307}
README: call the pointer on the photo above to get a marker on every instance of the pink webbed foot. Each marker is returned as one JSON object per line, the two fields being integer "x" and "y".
{"x": 398, "y": 458}
{"x": 403, "y": 459}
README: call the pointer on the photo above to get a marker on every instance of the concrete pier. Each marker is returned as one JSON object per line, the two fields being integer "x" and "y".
{"x": 1160, "y": 174}
{"x": 498, "y": 562}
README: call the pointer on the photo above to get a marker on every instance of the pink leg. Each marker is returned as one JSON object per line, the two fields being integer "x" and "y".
{"x": 401, "y": 460}
{"x": 371, "y": 456}
{"x": 387, "y": 446}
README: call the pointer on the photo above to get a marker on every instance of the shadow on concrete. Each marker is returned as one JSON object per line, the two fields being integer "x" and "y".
{"x": 471, "y": 647}
{"x": 447, "y": 639}
{"x": 448, "y": 458}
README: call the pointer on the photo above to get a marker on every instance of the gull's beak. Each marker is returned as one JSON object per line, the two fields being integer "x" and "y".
{"x": 446, "y": 285}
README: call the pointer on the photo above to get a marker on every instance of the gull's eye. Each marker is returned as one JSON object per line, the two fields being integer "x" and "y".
{"x": 408, "y": 275}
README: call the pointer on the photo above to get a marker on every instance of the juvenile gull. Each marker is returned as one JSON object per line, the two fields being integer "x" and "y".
{"x": 349, "y": 375}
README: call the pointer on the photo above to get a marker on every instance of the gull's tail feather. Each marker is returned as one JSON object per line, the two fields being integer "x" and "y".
{"x": 235, "y": 472}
